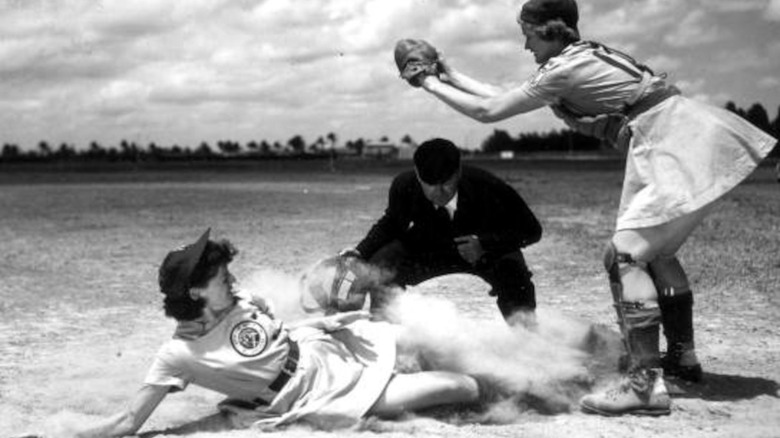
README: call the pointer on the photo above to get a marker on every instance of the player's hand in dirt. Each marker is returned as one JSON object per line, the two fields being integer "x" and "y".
{"x": 469, "y": 248}
{"x": 350, "y": 252}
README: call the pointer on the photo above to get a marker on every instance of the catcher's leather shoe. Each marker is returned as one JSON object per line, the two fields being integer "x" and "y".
{"x": 681, "y": 363}
{"x": 642, "y": 392}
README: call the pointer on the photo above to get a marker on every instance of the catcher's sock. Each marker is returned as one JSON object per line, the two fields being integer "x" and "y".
{"x": 677, "y": 318}
{"x": 680, "y": 358}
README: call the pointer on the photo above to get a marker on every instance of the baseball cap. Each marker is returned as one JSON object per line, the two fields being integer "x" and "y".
{"x": 177, "y": 267}
{"x": 541, "y": 11}
{"x": 436, "y": 160}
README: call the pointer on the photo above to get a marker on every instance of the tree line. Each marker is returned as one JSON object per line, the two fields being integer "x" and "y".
{"x": 325, "y": 146}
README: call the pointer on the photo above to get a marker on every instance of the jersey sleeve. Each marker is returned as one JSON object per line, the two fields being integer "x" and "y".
{"x": 551, "y": 82}
{"x": 164, "y": 372}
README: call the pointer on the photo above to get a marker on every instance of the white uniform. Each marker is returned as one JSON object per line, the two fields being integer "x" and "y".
{"x": 339, "y": 376}
{"x": 682, "y": 154}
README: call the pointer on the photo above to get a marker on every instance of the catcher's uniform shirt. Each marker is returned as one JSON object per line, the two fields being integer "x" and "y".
{"x": 682, "y": 154}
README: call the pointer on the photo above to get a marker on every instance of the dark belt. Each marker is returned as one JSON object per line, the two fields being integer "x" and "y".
{"x": 650, "y": 101}
{"x": 619, "y": 134}
{"x": 288, "y": 369}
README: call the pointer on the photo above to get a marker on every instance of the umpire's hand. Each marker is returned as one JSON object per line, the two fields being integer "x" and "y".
{"x": 469, "y": 248}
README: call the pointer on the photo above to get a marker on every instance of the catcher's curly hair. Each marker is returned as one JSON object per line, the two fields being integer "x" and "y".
{"x": 553, "y": 30}
{"x": 215, "y": 255}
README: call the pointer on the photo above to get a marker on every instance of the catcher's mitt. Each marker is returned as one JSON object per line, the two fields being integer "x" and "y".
{"x": 335, "y": 284}
{"x": 416, "y": 59}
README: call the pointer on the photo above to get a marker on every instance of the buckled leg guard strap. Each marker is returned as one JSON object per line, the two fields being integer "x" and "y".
{"x": 675, "y": 300}
{"x": 612, "y": 261}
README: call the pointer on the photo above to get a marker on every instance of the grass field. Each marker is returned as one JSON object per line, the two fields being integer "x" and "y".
{"x": 80, "y": 312}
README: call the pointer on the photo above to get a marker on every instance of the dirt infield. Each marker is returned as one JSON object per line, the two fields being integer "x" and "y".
{"x": 81, "y": 315}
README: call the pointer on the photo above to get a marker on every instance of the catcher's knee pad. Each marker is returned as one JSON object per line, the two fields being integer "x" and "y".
{"x": 631, "y": 314}
{"x": 669, "y": 277}
{"x": 614, "y": 262}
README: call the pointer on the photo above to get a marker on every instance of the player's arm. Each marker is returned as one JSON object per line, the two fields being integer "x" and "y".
{"x": 483, "y": 109}
{"x": 131, "y": 419}
{"x": 466, "y": 83}
{"x": 393, "y": 222}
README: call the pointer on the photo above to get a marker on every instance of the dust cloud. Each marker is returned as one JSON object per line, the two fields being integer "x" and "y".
{"x": 545, "y": 365}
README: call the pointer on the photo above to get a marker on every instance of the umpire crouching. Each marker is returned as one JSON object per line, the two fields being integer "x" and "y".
{"x": 445, "y": 218}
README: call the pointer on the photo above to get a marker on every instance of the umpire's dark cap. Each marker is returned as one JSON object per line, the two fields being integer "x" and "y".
{"x": 436, "y": 161}
{"x": 541, "y": 11}
{"x": 177, "y": 267}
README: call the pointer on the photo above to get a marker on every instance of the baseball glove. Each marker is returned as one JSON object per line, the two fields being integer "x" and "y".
{"x": 415, "y": 60}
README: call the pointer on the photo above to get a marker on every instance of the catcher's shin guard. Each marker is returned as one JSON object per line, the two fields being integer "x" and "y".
{"x": 642, "y": 391}
{"x": 638, "y": 321}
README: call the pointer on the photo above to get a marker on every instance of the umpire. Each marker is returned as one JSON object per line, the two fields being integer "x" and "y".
{"x": 445, "y": 218}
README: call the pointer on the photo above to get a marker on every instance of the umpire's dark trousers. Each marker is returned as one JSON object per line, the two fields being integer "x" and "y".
{"x": 507, "y": 274}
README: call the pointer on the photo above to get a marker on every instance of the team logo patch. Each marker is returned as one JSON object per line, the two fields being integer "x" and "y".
{"x": 249, "y": 338}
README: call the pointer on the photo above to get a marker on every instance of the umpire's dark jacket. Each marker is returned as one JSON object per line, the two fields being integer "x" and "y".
{"x": 487, "y": 207}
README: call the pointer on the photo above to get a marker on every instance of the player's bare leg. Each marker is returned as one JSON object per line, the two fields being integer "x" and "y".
{"x": 631, "y": 259}
{"x": 411, "y": 392}
{"x": 642, "y": 391}
{"x": 675, "y": 297}
{"x": 676, "y": 302}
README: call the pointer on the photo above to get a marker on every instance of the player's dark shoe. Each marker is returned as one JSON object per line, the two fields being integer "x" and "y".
{"x": 682, "y": 364}
{"x": 642, "y": 392}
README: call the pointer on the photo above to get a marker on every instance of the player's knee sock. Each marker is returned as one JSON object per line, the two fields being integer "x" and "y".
{"x": 677, "y": 318}
{"x": 676, "y": 302}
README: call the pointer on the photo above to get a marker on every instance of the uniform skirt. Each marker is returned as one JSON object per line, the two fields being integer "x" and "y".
{"x": 340, "y": 375}
{"x": 683, "y": 155}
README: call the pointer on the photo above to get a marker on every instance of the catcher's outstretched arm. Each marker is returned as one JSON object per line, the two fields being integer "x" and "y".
{"x": 466, "y": 83}
{"x": 483, "y": 109}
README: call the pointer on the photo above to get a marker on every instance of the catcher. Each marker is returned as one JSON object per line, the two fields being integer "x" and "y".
{"x": 682, "y": 156}
{"x": 334, "y": 370}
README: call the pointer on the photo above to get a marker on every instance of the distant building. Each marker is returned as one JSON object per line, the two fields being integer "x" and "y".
{"x": 380, "y": 150}
{"x": 406, "y": 149}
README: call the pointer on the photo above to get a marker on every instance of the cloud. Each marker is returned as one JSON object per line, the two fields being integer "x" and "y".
{"x": 694, "y": 29}
{"x": 627, "y": 20}
{"x": 772, "y": 12}
{"x": 664, "y": 63}
{"x": 769, "y": 82}
{"x": 184, "y": 70}
{"x": 735, "y": 6}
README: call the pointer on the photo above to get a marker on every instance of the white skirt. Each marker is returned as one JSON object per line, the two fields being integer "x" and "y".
{"x": 340, "y": 376}
{"x": 682, "y": 156}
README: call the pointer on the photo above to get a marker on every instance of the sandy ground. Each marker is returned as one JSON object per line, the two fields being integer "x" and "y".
{"x": 81, "y": 314}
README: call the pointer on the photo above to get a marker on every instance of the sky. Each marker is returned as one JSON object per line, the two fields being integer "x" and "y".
{"x": 179, "y": 72}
